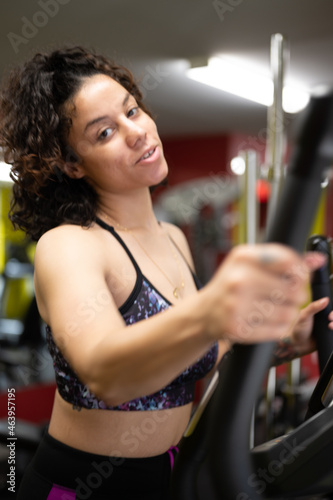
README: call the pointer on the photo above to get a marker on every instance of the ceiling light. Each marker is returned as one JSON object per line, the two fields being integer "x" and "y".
{"x": 237, "y": 165}
{"x": 226, "y": 74}
{"x": 293, "y": 99}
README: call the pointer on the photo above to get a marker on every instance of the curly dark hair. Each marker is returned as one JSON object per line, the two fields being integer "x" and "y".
{"x": 33, "y": 131}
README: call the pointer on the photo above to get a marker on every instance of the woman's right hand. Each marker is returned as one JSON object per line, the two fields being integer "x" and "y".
{"x": 257, "y": 292}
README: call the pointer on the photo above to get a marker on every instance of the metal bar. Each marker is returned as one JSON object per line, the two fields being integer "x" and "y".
{"x": 275, "y": 148}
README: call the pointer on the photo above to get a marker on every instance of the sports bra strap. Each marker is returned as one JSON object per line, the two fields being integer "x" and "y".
{"x": 111, "y": 229}
{"x": 121, "y": 241}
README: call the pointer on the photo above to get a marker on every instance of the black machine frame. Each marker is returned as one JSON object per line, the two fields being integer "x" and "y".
{"x": 299, "y": 465}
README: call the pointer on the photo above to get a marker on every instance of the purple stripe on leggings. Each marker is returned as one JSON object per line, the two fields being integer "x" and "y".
{"x": 172, "y": 458}
{"x": 60, "y": 493}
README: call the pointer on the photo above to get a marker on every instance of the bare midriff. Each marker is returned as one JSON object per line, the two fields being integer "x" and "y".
{"x": 129, "y": 434}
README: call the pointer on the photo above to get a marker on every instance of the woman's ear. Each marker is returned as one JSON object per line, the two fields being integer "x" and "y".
{"x": 73, "y": 170}
{"x": 72, "y": 166}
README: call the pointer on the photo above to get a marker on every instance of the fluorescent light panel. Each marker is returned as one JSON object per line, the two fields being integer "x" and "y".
{"x": 225, "y": 74}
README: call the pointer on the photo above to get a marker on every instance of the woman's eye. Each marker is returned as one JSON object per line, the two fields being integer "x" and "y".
{"x": 106, "y": 133}
{"x": 133, "y": 111}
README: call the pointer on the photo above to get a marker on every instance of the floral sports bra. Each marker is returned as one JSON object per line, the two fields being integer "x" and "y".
{"x": 143, "y": 302}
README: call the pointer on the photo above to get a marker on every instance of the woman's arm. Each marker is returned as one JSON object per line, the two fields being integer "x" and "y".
{"x": 252, "y": 297}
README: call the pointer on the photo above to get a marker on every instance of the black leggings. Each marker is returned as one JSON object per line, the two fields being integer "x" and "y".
{"x": 59, "y": 472}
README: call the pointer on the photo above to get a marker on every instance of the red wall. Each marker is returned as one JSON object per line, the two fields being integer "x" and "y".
{"x": 196, "y": 156}
{"x": 193, "y": 157}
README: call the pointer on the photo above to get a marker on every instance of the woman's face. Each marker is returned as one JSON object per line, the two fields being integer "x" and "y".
{"x": 117, "y": 143}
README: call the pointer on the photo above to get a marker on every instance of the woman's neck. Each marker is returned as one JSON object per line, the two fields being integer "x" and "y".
{"x": 130, "y": 211}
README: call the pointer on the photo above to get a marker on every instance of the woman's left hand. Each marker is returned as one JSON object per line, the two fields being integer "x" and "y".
{"x": 301, "y": 339}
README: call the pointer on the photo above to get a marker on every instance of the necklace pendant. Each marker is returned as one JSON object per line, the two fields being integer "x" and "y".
{"x": 175, "y": 293}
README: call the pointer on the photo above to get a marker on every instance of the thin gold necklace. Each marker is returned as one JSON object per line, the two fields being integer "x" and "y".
{"x": 176, "y": 289}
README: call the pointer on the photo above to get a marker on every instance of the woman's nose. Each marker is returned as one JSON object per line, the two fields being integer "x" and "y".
{"x": 135, "y": 134}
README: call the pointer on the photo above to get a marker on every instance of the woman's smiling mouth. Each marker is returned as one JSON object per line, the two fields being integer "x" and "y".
{"x": 148, "y": 154}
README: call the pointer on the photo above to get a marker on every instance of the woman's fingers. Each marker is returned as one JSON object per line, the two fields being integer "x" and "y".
{"x": 262, "y": 289}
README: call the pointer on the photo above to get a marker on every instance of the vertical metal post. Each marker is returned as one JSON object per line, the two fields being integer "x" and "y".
{"x": 275, "y": 153}
{"x": 275, "y": 148}
{"x": 249, "y": 212}
{"x": 249, "y": 215}
{"x": 252, "y": 212}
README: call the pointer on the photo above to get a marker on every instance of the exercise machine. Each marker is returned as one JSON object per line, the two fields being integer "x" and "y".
{"x": 299, "y": 464}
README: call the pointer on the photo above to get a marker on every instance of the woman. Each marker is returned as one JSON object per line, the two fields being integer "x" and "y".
{"x": 85, "y": 153}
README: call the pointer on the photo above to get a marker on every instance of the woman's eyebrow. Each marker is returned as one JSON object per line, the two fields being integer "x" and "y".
{"x": 101, "y": 118}
{"x": 94, "y": 121}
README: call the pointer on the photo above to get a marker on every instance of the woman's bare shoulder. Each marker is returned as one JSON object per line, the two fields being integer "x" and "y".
{"x": 68, "y": 242}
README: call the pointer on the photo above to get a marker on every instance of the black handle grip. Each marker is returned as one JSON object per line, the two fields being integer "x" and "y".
{"x": 321, "y": 287}
{"x": 322, "y": 393}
